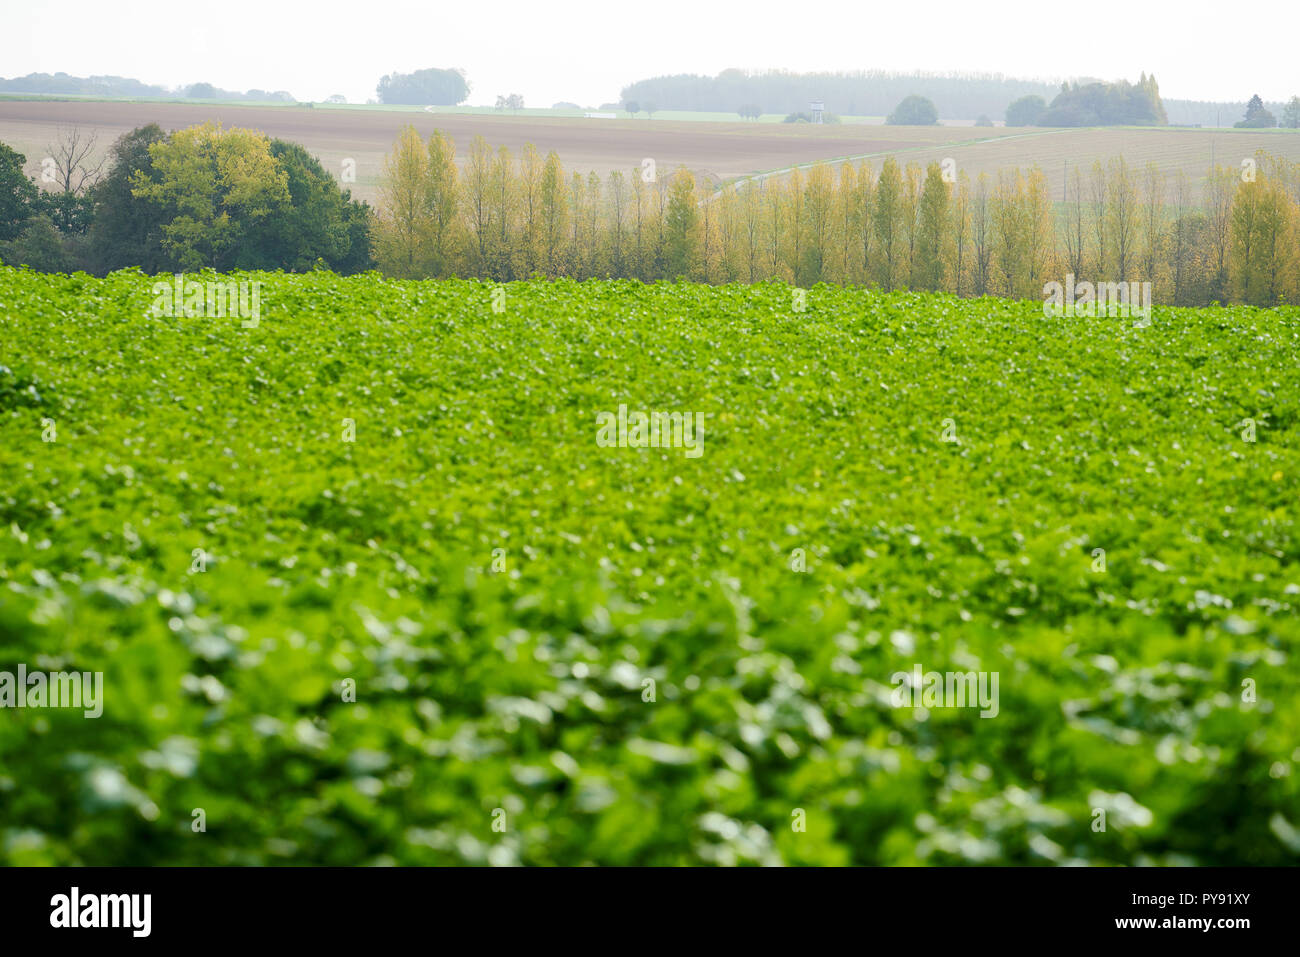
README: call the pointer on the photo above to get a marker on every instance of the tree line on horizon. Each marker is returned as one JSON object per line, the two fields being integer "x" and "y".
{"x": 871, "y": 93}
{"x": 876, "y": 92}
{"x": 121, "y": 86}
{"x": 1129, "y": 105}
{"x": 1093, "y": 104}
{"x": 208, "y": 197}
{"x": 504, "y": 217}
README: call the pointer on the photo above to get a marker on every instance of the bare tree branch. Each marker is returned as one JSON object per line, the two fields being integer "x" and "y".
{"x": 75, "y": 166}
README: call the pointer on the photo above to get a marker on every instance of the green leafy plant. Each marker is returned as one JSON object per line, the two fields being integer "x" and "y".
{"x": 472, "y": 614}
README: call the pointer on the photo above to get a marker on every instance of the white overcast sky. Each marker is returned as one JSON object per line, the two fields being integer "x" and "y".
{"x": 586, "y": 51}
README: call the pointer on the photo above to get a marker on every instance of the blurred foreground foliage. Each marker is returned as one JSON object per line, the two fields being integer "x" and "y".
{"x": 522, "y": 689}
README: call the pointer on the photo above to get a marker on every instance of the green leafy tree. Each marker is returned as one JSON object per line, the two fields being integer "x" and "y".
{"x": 914, "y": 110}
{"x": 1026, "y": 111}
{"x": 431, "y": 87}
{"x": 218, "y": 188}
{"x": 17, "y": 193}
{"x": 317, "y": 224}
{"x": 1291, "y": 113}
{"x": 127, "y": 230}
{"x": 1107, "y": 104}
{"x": 1257, "y": 117}
{"x": 71, "y": 213}
{"x": 40, "y": 246}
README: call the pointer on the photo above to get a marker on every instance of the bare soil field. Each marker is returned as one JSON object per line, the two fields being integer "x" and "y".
{"x": 1059, "y": 152}
{"x": 719, "y": 151}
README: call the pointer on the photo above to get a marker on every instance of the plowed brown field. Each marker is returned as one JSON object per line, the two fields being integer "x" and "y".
{"x": 719, "y": 151}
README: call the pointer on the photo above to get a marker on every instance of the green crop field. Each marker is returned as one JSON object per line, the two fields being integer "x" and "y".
{"x": 365, "y": 584}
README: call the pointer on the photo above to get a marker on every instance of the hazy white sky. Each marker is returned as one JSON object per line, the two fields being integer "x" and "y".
{"x": 586, "y": 51}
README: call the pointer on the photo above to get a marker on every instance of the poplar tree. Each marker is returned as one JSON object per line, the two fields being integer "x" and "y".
{"x": 554, "y": 215}
{"x": 526, "y": 253}
{"x": 1154, "y": 225}
{"x": 618, "y": 203}
{"x": 1121, "y": 218}
{"x": 1011, "y": 232}
{"x": 818, "y": 220}
{"x": 478, "y": 188}
{"x": 442, "y": 198}
{"x": 751, "y": 228}
{"x": 928, "y": 265}
{"x": 981, "y": 236}
{"x": 866, "y": 231}
{"x": 848, "y": 225}
{"x": 961, "y": 234}
{"x": 1075, "y": 235}
{"x": 681, "y": 227}
{"x": 1219, "y": 194}
{"x": 401, "y": 235}
{"x": 913, "y": 177}
{"x": 886, "y": 216}
{"x": 502, "y": 215}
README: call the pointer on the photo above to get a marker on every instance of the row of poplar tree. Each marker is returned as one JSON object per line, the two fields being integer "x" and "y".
{"x": 505, "y": 217}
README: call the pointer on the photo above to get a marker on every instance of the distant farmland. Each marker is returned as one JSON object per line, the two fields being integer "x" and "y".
{"x": 720, "y": 151}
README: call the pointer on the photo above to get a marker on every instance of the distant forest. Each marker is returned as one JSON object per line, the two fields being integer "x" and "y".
{"x": 864, "y": 93}
{"x": 876, "y": 93}
{"x": 62, "y": 83}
